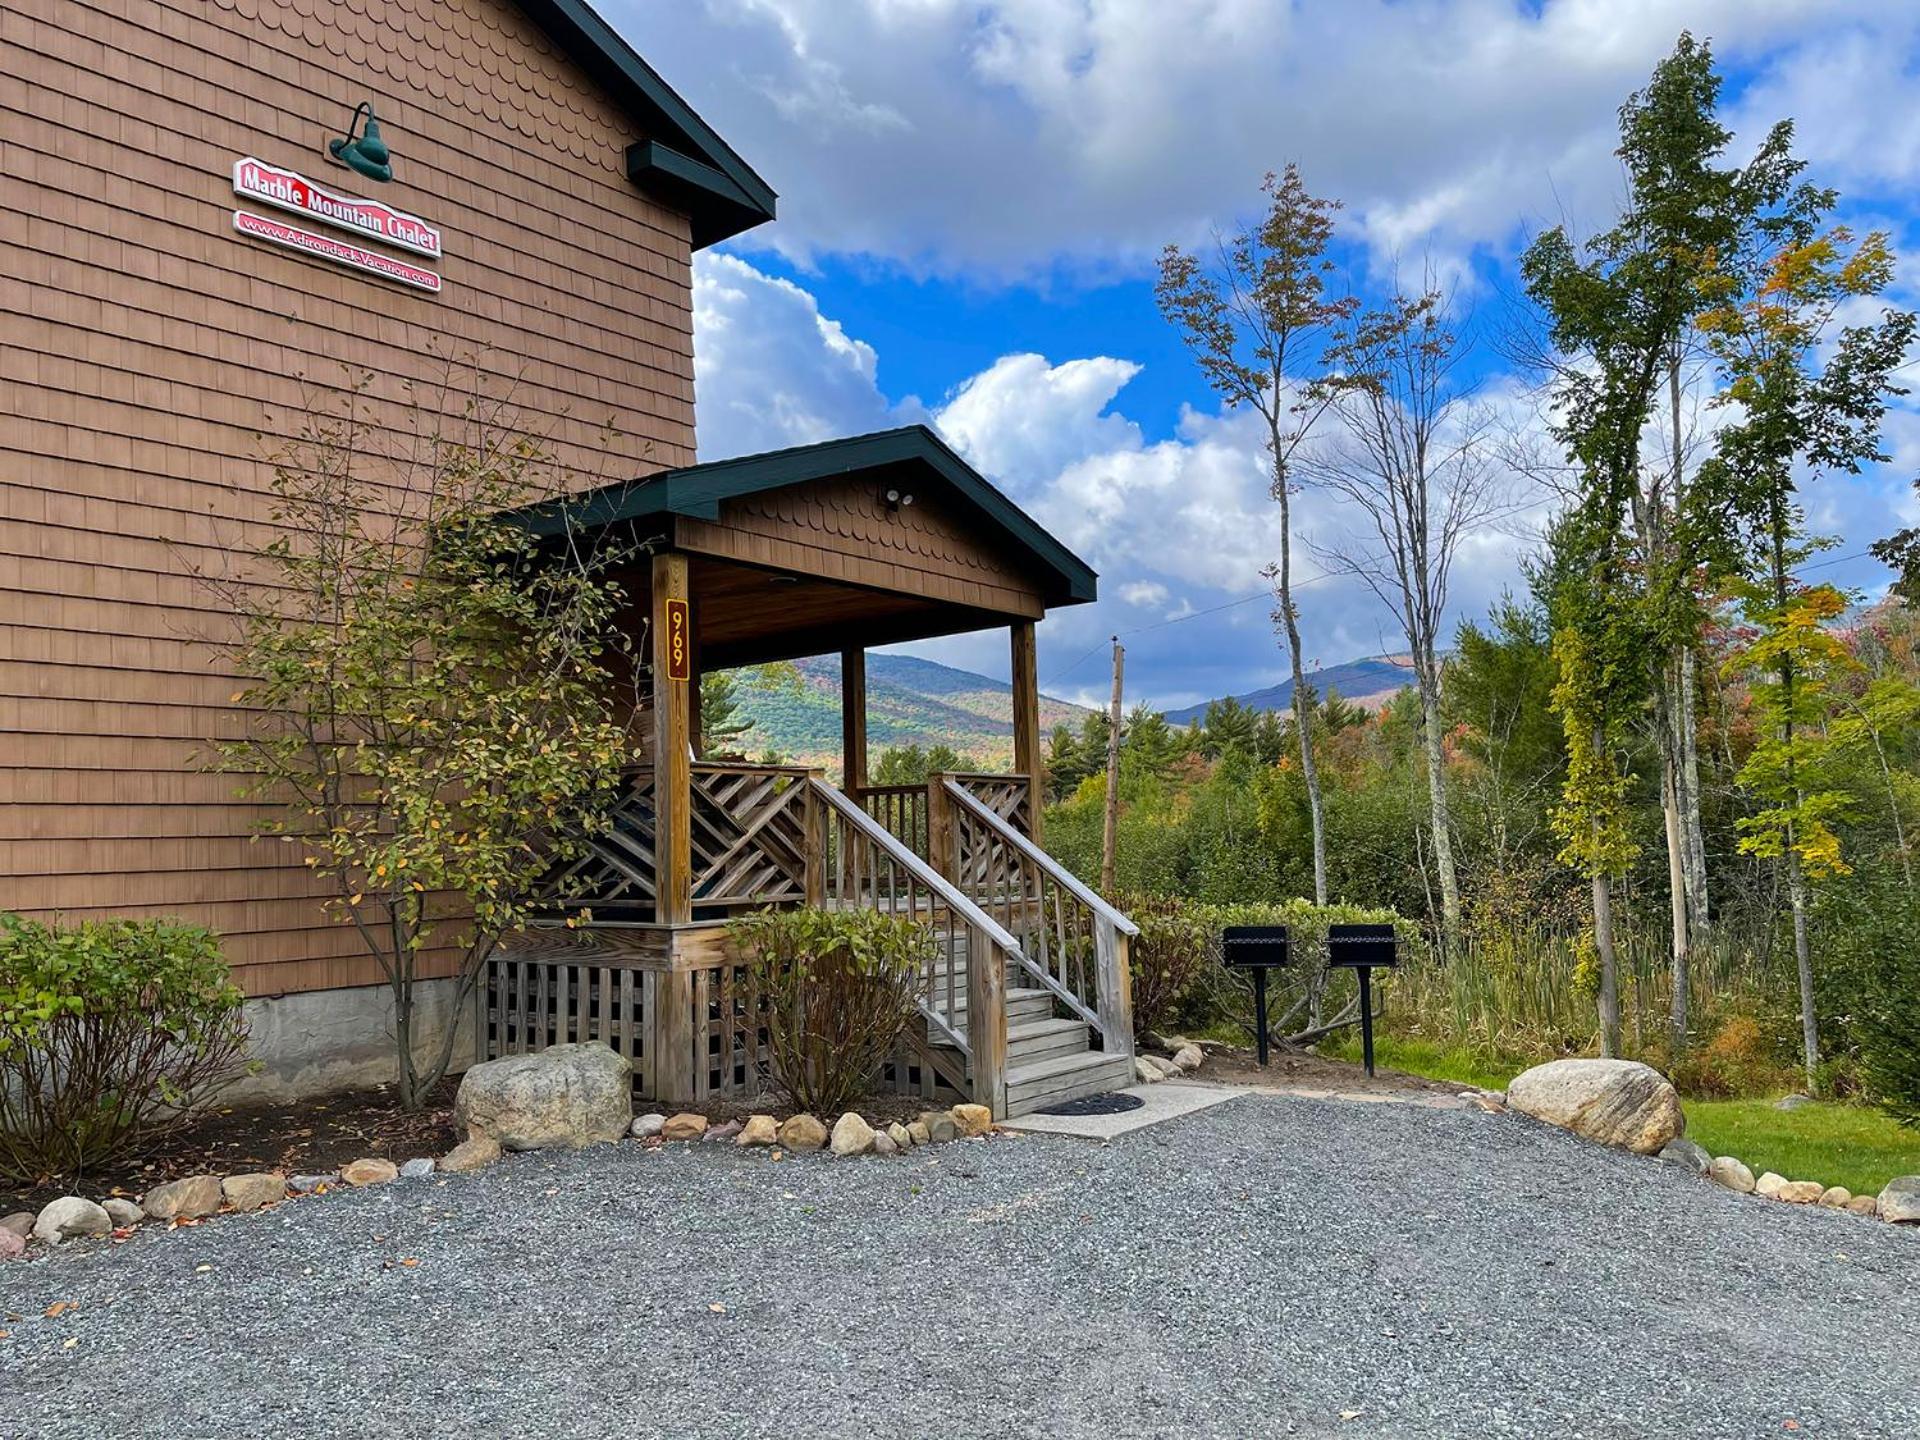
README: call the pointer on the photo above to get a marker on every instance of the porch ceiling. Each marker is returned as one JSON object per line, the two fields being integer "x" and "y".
{"x": 747, "y": 615}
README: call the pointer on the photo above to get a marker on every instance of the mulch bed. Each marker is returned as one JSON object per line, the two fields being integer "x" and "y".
{"x": 1232, "y": 1065}
{"x": 303, "y": 1136}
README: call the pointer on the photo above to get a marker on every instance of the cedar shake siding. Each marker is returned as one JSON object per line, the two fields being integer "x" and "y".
{"x": 146, "y": 350}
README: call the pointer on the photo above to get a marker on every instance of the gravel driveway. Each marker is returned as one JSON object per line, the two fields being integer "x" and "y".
{"x": 1262, "y": 1268}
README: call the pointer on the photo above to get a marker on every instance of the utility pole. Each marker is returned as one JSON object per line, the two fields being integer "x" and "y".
{"x": 1109, "y": 830}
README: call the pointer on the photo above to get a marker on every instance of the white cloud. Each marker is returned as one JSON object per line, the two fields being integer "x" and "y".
{"x": 771, "y": 371}
{"x": 1002, "y": 137}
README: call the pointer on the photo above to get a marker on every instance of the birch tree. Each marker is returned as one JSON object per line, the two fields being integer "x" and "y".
{"x": 1414, "y": 463}
{"x": 1258, "y": 318}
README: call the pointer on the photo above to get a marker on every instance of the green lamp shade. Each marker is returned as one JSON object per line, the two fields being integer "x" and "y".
{"x": 366, "y": 155}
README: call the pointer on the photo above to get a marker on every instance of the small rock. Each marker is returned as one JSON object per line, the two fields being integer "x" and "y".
{"x": 1487, "y": 1103}
{"x": 645, "y": 1127}
{"x": 1731, "y": 1173}
{"x": 369, "y": 1171}
{"x": 920, "y": 1133}
{"x": 759, "y": 1130}
{"x": 684, "y": 1126}
{"x": 1835, "y": 1198}
{"x": 1792, "y": 1102}
{"x": 123, "y": 1212}
{"x": 12, "y": 1246}
{"x": 1900, "y": 1201}
{"x": 940, "y": 1125}
{"x": 307, "y": 1184}
{"x": 186, "y": 1199}
{"x": 418, "y": 1168}
{"x": 1146, "y": 1072}
{"x": 1687, "y": 1155}
{"x": 249, "y": 1192}
{"x": 1865, "y": 1205}
{"x": 470, "y": 1154}
{"x": 1769, "y": 1185}
{"x": 851, "y": 1135}
{"x": 69, "y": 1216}
{"x": 1165, "y": 1066}
{"x": 883, "y": 1144}
{"x": 1801, "y": 1192}
{"x": 900, "y": 1135}
{"x": 971, "y": 1120}
{"x": 723, "y": 1132}
{"x": 1189, "y": 1058}
{"x": 803, "y": 1132}
{"x": 20, "y": 1223}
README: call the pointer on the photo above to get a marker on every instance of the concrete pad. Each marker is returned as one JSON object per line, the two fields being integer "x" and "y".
{"x": 1164, "y": 1101}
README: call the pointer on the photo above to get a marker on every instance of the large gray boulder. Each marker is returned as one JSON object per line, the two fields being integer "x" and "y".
{"x": 570, "y": 1095}
{"x": 1616, "y": 1102}
{"x": 1900, "y": 1201}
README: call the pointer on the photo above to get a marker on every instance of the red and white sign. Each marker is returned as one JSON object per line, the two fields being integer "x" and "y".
{"x": 256, "y": 180}
{"x": 341, "y": 252}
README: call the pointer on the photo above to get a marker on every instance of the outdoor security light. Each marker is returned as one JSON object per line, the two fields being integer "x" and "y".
{"x": 897, "y": 500}
{"x": 367, "y": 155}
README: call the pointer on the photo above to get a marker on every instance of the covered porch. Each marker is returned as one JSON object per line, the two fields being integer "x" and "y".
{"x": 830, "y": 548}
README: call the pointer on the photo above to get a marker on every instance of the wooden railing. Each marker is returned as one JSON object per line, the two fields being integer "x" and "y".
{"x": 963, "y": 989}
{"x": 1072, "y": 943}
{"x": 749, "y": 825}
{"x": 902, "y": 809}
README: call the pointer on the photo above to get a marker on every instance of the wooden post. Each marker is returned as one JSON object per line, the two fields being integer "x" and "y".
{"x": 672, "y": 752}
{"x": 1026, "y": 721}
{"x": 987, "y": 1021}
{"x": 939, "y": 826}
{"x": 1110, "y": 827}
{"x": 853, "y": 721}
{"x": 1114, "y": 983}
{"x": 816, "y": 853}
{"x": 671, "y": 1021}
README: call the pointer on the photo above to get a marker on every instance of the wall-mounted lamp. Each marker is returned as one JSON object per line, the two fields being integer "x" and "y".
{"x": 367, "y": 154}
{"x": 898, "y": 500}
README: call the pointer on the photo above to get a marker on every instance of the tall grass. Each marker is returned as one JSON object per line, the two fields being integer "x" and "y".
{"x": 1525, "y": 992}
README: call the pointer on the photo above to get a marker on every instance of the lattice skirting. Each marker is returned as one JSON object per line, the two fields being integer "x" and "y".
{"x": 533, "y": 1003}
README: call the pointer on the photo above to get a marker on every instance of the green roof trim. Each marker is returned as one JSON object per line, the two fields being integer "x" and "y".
{"x": 683, "y": 160}
{"x": 697, "y": 491}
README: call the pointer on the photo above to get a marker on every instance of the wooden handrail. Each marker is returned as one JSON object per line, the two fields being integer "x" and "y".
{"x": 915, "y": 866}
{"x": 1063, "y": 876}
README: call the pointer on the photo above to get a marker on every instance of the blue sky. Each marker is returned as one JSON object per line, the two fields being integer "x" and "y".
{"x": 973, "y": 193}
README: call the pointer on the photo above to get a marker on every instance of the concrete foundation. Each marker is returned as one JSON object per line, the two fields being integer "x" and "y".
{"x": 323, "y": 1041}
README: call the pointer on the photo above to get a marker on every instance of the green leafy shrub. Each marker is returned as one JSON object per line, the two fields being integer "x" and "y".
{"x": 1168, "y": 959}
{"x": 111, "y": 1033}
{"x": 835, "y": 990}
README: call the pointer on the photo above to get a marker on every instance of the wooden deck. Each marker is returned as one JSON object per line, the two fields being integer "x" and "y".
{"x": 1026, "y": 1003}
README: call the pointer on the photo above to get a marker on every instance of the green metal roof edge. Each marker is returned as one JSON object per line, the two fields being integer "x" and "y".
{"x": 745, "y": 200}
{"x": 697, "y": 491}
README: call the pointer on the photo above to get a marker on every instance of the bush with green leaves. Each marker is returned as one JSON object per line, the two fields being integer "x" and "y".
{"x": 112, "y": 1033}
{"x": 835, "y": 990}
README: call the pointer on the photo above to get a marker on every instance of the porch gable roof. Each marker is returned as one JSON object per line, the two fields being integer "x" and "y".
{"x": 696, "y": 491}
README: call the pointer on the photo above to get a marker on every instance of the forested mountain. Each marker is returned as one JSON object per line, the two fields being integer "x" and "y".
{"x": 1371, "y": 682}
{"x": 795, "y": 712}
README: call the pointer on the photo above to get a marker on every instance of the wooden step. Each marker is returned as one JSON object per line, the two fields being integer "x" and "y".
{"x": 1035, "y": 1040}
{"x": 1022, "y": 1006}
{"x": 1065, "y": 1077}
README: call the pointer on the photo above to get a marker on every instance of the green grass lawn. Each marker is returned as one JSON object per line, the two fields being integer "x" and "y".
{"x": 1851, "y": 1145}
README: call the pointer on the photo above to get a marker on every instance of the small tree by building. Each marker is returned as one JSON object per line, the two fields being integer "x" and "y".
{"x": 429, "y": 693}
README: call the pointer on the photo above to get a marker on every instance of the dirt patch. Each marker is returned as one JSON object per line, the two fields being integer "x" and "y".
{"x": 1232, "y": 1065}
{"x": 312, "y": 1136}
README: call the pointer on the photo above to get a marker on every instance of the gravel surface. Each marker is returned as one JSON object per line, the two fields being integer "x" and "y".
{"x": 1261, "y": 1268}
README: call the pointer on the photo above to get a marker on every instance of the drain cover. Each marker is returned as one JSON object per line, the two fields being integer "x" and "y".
{"x": 1112, "y": 1103}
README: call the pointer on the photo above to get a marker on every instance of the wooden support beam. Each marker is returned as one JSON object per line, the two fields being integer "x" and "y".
{"x": 987, "y": 1021}
{"x": 672, "y": 746}
{"x": 853, "y": 721}
{"x": 1026, "y": 720}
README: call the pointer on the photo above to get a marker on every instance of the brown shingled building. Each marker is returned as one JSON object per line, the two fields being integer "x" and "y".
{"x": 181, "y": 259}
